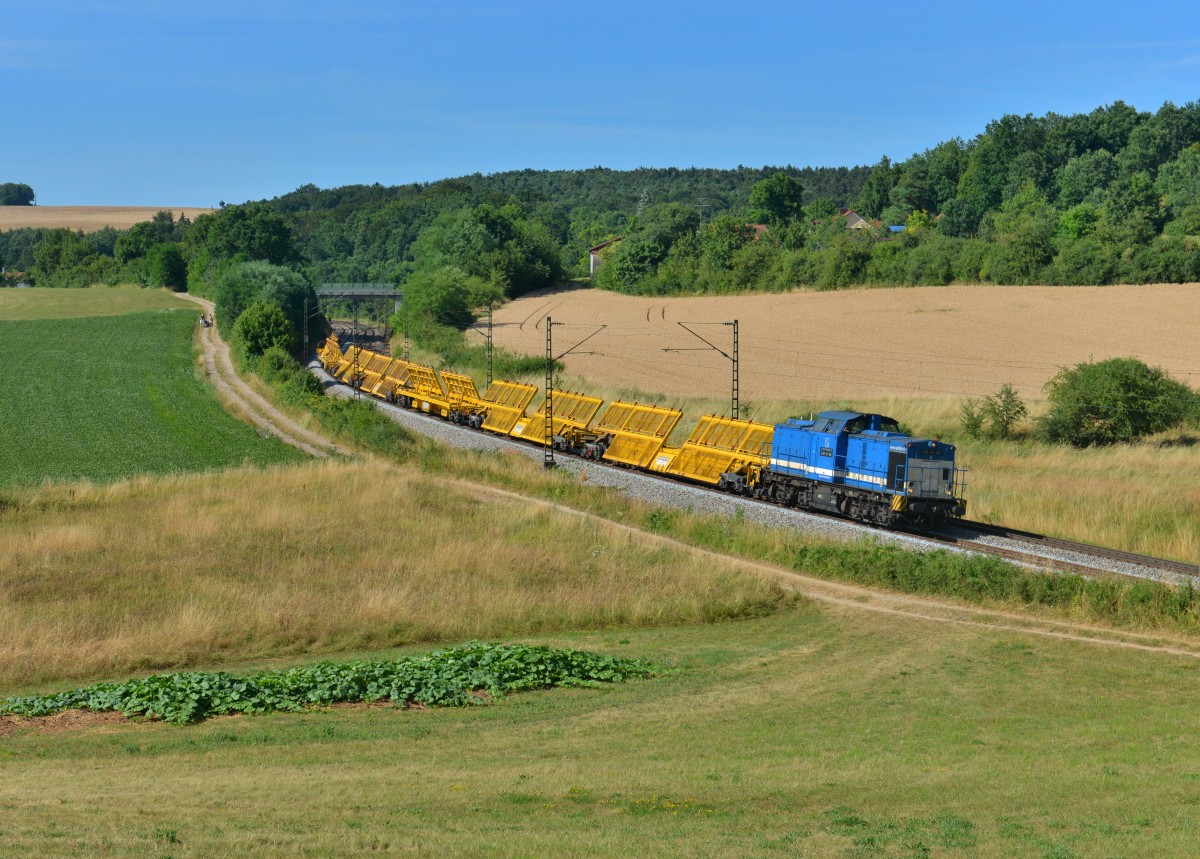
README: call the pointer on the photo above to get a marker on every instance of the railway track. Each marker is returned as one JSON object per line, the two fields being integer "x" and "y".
{"x": 1041, "y": 550}
{"x": 1021, "y": 547}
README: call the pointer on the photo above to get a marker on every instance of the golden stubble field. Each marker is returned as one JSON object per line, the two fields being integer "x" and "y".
{"x": 88, "y": 218}
{"x": 867, "y": 344}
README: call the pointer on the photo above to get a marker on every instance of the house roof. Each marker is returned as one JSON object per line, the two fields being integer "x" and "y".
{"x": 603, "y": 245}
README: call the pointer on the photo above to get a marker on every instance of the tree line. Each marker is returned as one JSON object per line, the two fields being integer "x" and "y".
{"x": 1105, "y": 197}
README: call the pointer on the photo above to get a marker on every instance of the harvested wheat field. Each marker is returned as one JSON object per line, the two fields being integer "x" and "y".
{"x": 924, "y": 342}
{"x": 87, "y": 218}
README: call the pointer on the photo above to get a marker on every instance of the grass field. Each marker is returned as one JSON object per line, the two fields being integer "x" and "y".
{"x": 193, "y": 570}
{"x": 807, "y": 733}
{"x": 87, "y": 218}
{"x": 99, "y": 397}
{"x": 26, "y": 304}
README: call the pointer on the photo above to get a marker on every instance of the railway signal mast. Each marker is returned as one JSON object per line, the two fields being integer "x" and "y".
{"x": 488, "y": 338}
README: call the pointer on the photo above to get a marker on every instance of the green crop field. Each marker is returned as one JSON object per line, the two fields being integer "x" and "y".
{"x": 101, "y": 397}
{"x": 812, "y": 732}
{"x": 96, "y": 301}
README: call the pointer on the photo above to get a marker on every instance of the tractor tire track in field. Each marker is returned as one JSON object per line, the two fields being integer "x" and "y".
{"x": 251, "y": 405}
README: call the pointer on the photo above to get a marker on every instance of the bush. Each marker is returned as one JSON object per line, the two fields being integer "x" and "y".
{"x": 971, "y": 417}
{"x": 263, "y": 326}
{"x": 1117, "y": 400}
{"x": 242, "y": 283}
{"x": 993, "y": 416}
{"x": 165, "y": 266}
{"x": 1004, "y": 410}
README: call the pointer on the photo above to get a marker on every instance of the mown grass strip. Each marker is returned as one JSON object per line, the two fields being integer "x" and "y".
{"x": 471, "y": 673}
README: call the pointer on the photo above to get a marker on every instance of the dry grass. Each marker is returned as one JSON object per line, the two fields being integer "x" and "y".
{"x": 864, "y": 343}
{"x": 1140, "y": 498}
{"x": 87, "y": 218}
{"x": 183, "y": 571}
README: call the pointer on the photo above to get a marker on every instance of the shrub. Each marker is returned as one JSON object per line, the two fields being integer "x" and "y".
{"x": 165, "y": 266}
{"x": 262, "y": 326}
{"x": 993, "y": 416}
{"x": 240, "y": 284}
{"x": 1117, "y": 400}
{"x": 1003, "y": 411}
{"x": 971, "y": 417}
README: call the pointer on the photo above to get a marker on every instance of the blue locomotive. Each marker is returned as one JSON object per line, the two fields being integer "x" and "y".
{"x": 862, "y": 467}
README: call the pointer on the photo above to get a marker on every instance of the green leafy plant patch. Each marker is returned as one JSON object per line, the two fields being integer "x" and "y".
{"x": 471, "y": 673}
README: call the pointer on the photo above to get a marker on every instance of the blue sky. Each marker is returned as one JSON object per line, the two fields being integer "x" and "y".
{"x": 170, "y": 104}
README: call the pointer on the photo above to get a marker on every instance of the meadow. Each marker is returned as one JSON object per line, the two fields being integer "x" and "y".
{"x": 317, "y": 558}
{"x": 806, "y": 733}
{"x": 102, "y": 384}
{"x": 27, "y": 304}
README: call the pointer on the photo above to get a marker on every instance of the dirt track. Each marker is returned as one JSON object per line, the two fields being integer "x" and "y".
{"x": 861, "y": 344}
{"x": 247, "y": 402}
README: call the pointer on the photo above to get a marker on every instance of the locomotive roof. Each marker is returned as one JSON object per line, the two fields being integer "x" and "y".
{"x": 841, "y": 416}
{"x": 849, "y": 416}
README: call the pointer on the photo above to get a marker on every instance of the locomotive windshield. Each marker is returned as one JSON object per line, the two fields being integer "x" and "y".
{"x": 862, "y": 423}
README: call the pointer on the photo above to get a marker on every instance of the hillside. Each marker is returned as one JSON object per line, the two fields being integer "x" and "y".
{"x": 801, "y": 715}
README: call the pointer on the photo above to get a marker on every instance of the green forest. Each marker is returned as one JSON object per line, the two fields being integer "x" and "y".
{"x": 1103, "y": 197}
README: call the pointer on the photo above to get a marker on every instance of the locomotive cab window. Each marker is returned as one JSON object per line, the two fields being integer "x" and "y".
{"x": 859, "y": 424}
{"x": 889, "y": 425}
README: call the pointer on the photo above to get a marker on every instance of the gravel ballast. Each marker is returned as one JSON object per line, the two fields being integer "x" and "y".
{"x": 669, "y": 493}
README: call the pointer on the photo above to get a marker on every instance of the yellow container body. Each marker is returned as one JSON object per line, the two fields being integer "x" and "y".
{"x": 638, "y": 432}
{"x": 572, "y": 412}
{"x": 720, "y": 445}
